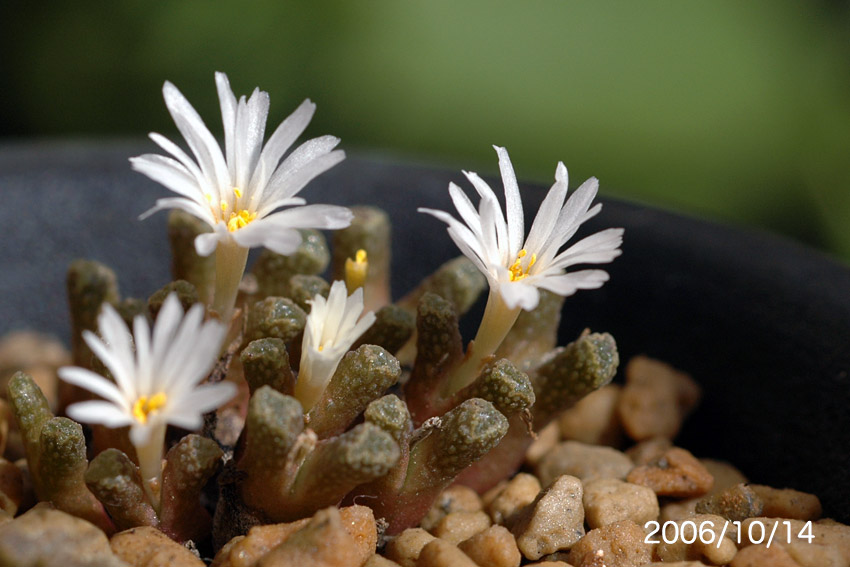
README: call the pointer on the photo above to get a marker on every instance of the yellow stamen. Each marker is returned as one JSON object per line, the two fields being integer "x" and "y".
{"x": 223, "y": 205}
{"x": 145, "y": 406}
{"x": 356, "y": 270}
{"x": 238, "y": 192}
{"x": 517, "y": 273}
{"x": 209, "y": 198}
{"x": 240, "y": 220}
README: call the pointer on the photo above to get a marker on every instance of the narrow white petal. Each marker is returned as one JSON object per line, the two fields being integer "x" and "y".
{"x": 568, "y": 284}
{"x": 465, "y": 208}
{"x": 597, "y": 248}
{"x": 140, "y": 434}
{"x": 570, "y": 218}
{"x": 197, "y": 135}
{"x": 547, "y": 215}
{"x": 250, "y": 131}
{"x": 188, "y": 412}
{"x": 280, "y": 240}
{"x": 306, "y": 153}
{"x": 191, "y": 207}
{"x": 283, "y": 186}
{"x": 94, "y": 383}
{"x": 168, "y": 172}
{"x": 183, "y": 158}
{"x": 227, "y": 101}
{"x": 513, "y": 203}
{"x": 205, "y": 244}
{"x": 96, "y": 411}
{"x": 280, "y": 141}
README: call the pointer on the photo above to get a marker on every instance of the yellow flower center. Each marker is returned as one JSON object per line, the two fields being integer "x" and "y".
{"x": 356, "y": 270}
{"x": 239, "y": 220}
{"x": 145, "y": 406}
{"x": 517, "y": 272}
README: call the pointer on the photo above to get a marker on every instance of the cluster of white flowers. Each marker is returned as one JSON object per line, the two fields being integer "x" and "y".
{"x": 156, "y": 375}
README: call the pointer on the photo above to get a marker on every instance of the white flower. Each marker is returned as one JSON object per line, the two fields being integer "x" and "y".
{"x": 332, "y": 327}
{"x": 515, "y": 269}
{"x": 156, "y": 383}
{"x": 237, "y": 193}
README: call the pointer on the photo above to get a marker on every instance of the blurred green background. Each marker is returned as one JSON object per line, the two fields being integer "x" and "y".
{"x": 738, "y": 111}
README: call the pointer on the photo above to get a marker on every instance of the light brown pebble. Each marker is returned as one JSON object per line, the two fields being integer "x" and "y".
{"x": 546, "y": 440}
{"x": 676, "y": 564}
{"x": 494, "y": 547}
{"x": 380, "y": 561}
{"x": 36, "y": 354}
{"x": 738, "y": 502}
{"x": 594, "y": 418}
{"x": 148, "y": 547}
{"x": 246, "y": 551}
{"x": 549, "y": 564}
{"x": 456, "y": 498}
{"x": 440, "y": 553}
{"x": 323, "y": 542}
{"x": 725, "y": 476}
{"x": 620, "y": 544}
{"x": 405, "y": 548}
{"x": 829, "y": 543}
{"x": 703, "y": 531}
{"x": 608, "y": 500}
{"x": 11, "y": 487}
{"x": 587, "y": 462}
{"x": 458, "y": 526}
{"x": 655, "y": 399}
{"x": 553, "y": 522}
{"x": 677, "y": 474}
{"x": 762, "y": 556}
{"x": 788, "y": 503}
{"x": 517, "y": 493}
{"x": 44, "y": 536}
{"x": 649, "y": 450}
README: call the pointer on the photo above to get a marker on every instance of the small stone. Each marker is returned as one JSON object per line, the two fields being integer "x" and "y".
{"x": 148, "y": 547}
{"x": 609, "y": 500}
{"x": 761, "y": 555}
{"x": 587, "y": 462}
{"x": 36, "y": 354}
{"x": 725, "y": 476}
{"x": 246, "y": 551}
{"x": 405, "y": 548}
{"x": 456, "y": 498}
{"x": 788, "y": 503}
{"x": 677, "y": 474}
{"x": 44, "y": 536}
{"x": 553, "y": 522}
{"x": 459, "y": 526}
{"x": 620, "y": 544}
{"x": 323, "y": 542}
{"x": 829, "y": 543}
{"x": 494, "y": 547}
{"x": 706, "y": 547}
{"x": 655, "y": 399}
{"x": 594, "y": 418}
{"x": 736, "y": 503}
{"x": 440, "y": 553}
{"x": 11, "y": 487}
{"x": 380, "y": 561}
{"x": 649, "y": 450}
{"x": 547, "y": 440}
{"x": 516, "y": 494}
{"x": 549, "y": 564}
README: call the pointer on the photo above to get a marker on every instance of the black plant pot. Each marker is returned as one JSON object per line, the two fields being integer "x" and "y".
{"x": 762, "y": 323}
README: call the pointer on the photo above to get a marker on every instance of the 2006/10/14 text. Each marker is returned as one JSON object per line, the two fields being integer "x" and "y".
{"x": 756, "y": 532}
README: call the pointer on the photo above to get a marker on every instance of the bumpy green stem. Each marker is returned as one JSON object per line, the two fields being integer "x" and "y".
{"x": 275, "y": 317}
{"x": 265, "y": 362}
{"x": 61, "y": 471}
{"x": 115, "y": 481}
{"x": 186, "y": 264}
{"x": 189, "y": 465}
{"x": 186, "y": 293}
{"x": 392, "y": 328}
{"x": 362, "y": 376}
{"x": 336, "y": 466}
{"x": 303, "y": 288}
{"x": 460, "y": 438}
{"x": 582, "y": 367}
{"x": 272, "y": 428}
{"x": 273, "y": 271}
{"x": 369, "y": 231}
{"x": 90, "y": 285}
{"x": 438, "y": 349}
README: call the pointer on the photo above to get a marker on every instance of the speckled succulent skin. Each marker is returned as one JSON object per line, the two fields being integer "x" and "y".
{"x": 273, "y": 271}
{"x": 186, "y": 264}
{"x": 90, "y": 284}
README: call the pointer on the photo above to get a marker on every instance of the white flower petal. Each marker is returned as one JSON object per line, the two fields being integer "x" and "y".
{"x": 205, "y": 244}
{"x": 513, "y": 204}
{"x": 519, "y": 294}
{"x": 227, "y": 102}
{"x": 286, "y": 185}
{"x": 92, "y": 382}
{"x": 96, "y": 411}
{"x": 568, "y": 284}
{"x": 280, "y": 141}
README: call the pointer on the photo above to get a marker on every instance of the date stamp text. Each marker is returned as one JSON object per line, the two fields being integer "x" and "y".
{"x": 706, "y": 532}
